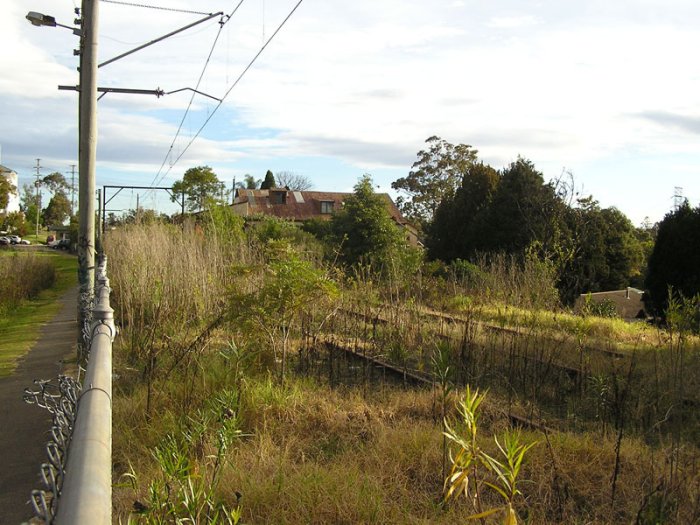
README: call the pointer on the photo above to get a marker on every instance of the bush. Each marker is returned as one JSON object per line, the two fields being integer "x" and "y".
{"x": 23, "y": 277}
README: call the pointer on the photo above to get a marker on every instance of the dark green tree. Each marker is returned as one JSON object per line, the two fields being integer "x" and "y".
{"x": 605, "y": 251}
{"x": 435, "y": 175}
{"x": 675, "y": 260}
{"x": 524, "y": 210}
{"x": 201, "y": 188}
{"x": 269, "y": 181}
{"x": 456, "y": 227}
{"x": 364, "y": 229}
{"x": 55, "y": 182}
{"x": 58, "y": 209}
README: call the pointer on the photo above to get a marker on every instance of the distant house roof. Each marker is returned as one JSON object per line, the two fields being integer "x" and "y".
{"x": 299, "y": 205}
{"x": 4, "y": 169}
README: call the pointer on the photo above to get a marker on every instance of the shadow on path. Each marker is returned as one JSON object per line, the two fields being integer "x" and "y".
{"x": 24, "y": 428}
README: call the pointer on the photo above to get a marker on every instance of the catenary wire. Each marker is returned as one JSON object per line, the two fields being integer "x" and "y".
{"x": 173, "y": 9}
{"x": 189, "y": 105}
{"x": 250, "y": 64}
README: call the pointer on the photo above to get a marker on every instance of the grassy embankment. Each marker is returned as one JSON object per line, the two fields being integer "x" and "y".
{"x": 202, "y": 422}
{"x": 31, "y": 281}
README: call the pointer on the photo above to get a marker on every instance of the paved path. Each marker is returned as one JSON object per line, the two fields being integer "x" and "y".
{"x": 24, "y": 428}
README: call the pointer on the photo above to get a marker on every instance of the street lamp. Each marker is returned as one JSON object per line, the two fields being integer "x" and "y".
{"x": 39, "y": 19}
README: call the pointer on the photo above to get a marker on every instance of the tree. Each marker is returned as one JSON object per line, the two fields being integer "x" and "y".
{"x": 269, "y": 181}
{"x": 58, "y": 209}
{"x": 363, "y": 228}
{"x": 675, "y": 260}
{"x": 436, "y": 175}
{"x": 55, "y": 182}
{"x": 293, "y": 181}
{"x": 14, "y": 222}
{"x": 200, "y": 187}
{"x": 249, "y": 182}
{"x": 456, "y": 227}
{"x": 524, "y": 210}
{"x": 605, "y": 251}
{"x": 6, "y": 189}
{"x": 30, "y": 203}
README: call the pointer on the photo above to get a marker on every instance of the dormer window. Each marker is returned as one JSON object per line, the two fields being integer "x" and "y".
{"x": 327, "y": 207}
{"x": 278, "y": 197}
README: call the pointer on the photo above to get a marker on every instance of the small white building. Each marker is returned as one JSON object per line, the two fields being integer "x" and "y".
{"x": 13, "y": 201}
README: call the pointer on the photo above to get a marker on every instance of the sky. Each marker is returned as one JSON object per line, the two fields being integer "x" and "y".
{"x": 604, "y": 92}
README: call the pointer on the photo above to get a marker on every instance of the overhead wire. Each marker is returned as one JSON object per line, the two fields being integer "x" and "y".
{"x": 216, "y": 108}
{"x": 189, "y": 105}
{"x": 172, "y": 9}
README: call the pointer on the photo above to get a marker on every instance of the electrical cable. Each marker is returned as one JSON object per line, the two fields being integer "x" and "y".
{"x": 175, "y": 10}
{"x": 216, "y": 108}
{"x": 189, "y": 105}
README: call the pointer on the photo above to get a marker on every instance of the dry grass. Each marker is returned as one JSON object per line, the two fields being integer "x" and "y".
{"x": 313, "y": 454}
{"x": 318, "y": 455}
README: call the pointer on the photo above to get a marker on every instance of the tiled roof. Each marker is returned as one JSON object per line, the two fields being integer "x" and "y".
{"x": 301, "y": 205}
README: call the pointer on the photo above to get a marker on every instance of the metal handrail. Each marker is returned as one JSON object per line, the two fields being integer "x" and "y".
{"x": 86, "y": 496}
{"x": 78, "y": 475}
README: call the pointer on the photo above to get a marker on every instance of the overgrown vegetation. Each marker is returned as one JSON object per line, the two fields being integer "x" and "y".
{"x": 23, "y": 276}
{"x": 253, "y": 333}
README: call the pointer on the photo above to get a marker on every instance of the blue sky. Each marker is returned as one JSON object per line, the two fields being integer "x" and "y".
{"x": 604, "y": 90}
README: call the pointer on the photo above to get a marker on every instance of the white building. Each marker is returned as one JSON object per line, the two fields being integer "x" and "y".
{"x": 13, "y": 202}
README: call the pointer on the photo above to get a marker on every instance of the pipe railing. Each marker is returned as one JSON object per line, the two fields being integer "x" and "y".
{"x": 78, "y": 476}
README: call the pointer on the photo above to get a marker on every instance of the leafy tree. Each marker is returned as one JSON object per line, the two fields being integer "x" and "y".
{"x": 456, "y": 227}
{"x": 249, "y": 182}
{"x": 6, "y": 189}
{"x": 14, "y": 222}
{"x": 269, "y": 181}
{"x": 436, "y": 175}
{"x": 200, "y": 186}
{"x": 291, "y": 287}
{"x": 524, "y": 210}
{"x": 55, "y": 182}
{"x": 675, "y": 260}
{"x": 30, "y": 203}
{"x": 605, "y": 251}
{"x": 58, "y": 209}
{"x": 364, "y": 229}
{"x": 293, "y": 181}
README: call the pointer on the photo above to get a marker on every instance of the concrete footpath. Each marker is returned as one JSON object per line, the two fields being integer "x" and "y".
{"x": 24, "y": 428}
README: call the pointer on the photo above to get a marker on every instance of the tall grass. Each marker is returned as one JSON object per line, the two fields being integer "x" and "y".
{"x": 23, "y": 276}
{"x": 309, "y": 453}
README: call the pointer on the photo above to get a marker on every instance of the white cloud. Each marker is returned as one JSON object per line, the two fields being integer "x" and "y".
{"x": 366, "y": 82}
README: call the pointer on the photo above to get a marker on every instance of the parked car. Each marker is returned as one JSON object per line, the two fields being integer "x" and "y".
{"x": 25, "y": 241}
{"x": 62, "y": 244}
{"x": 4, "y": 241}
{"x": 15, "y": 239}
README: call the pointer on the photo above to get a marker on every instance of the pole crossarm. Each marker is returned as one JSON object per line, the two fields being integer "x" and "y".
{"x": 157, "y": 92}
{"x": 147, "y": 44}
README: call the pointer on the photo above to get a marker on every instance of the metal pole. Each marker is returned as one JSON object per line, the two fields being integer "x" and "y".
{"x": 88, "y": 147}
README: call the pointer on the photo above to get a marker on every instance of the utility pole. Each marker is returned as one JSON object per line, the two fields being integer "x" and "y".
{"x": 677, "y": 197}
{"x": 72, "y": 189}
{"x": 38, "y": 196}
{"x": 87, "y": 148}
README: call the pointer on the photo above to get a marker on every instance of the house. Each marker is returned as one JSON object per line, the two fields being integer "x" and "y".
{"x": 304, "y": 205}
{"x": 13, "y": 202}
{"x": 629, "y": 303}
